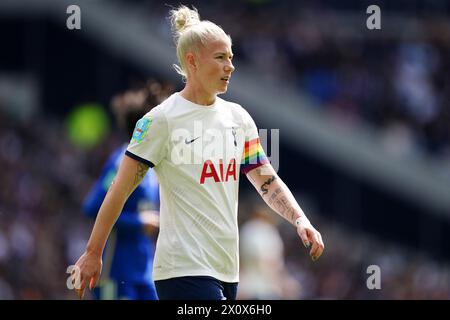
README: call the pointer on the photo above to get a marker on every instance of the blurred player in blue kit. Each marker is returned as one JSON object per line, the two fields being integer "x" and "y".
{"x": 128, "y": 255}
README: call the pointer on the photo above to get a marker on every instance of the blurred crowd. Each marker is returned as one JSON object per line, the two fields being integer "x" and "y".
{"x": 42, "y": 231}
{"x": 401, "y": 86}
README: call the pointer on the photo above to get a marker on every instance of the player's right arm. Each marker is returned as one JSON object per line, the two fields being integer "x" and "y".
{"x": 130, "y": 174}
{"x": 128, "y": 221}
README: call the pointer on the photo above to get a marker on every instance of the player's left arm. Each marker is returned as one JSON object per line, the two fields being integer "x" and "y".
{"x": 280, "y": 199}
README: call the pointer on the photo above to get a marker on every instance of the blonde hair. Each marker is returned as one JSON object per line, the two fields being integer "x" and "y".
{"x": 190, "y": 32}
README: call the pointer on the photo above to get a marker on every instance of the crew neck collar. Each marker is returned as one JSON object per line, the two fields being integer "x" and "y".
{"x": 196, "y": 105}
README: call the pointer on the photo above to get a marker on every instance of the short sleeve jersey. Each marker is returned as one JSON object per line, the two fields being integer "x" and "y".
{"x": 197, "y": 153}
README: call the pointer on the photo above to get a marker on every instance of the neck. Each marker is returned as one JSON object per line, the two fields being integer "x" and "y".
{"x": 197, "y": 95}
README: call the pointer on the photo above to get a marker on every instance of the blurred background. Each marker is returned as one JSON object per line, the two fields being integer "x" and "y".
{"x": 364, "y": 136}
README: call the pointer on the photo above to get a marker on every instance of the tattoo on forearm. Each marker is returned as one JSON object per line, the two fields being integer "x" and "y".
{"x": 278, "y": 200}
{"x": 140, "y": 173}
{"x": 281, "y": 204}
{"x": 264, "y": 187}
{"x": 291, "y": 211}
{"x": 274, "y": 196}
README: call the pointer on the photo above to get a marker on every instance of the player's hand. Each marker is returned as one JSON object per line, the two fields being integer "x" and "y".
{"x": 311, "y": 238}
{"x": 89, "y": 268}
{"x": 150, "y": 221}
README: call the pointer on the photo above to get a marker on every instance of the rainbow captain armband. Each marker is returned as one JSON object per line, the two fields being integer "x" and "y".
{"x": 253, "y": 156}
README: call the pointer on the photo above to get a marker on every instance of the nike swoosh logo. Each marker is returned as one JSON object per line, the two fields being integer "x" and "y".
{"x": 190, "y": 141}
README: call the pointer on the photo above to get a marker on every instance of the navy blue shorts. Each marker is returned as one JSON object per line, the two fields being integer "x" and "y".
{"x": 195, "y": 288}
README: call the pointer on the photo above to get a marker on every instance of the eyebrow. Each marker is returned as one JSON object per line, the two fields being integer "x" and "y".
{"x": 223, "y": 54}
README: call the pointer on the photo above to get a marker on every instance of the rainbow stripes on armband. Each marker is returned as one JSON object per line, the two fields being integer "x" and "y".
{"x": 253, "y": 156}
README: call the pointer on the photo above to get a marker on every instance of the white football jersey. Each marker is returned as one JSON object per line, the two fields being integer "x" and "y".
{"x": 197, "y": 153}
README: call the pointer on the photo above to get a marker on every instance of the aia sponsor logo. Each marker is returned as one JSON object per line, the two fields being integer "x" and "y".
{"x": 221, "y": 173}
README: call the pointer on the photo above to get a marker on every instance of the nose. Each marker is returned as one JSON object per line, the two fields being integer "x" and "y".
{"x": 229, "y": 67}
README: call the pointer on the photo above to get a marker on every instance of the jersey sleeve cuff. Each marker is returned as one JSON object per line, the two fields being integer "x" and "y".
{"x": 137, "y": 158}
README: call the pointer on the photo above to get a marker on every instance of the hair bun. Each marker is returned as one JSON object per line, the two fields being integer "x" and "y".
{"x": 183, "y": 17}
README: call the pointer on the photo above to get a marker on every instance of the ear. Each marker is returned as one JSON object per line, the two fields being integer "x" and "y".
{"x": 191, "y": 63}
